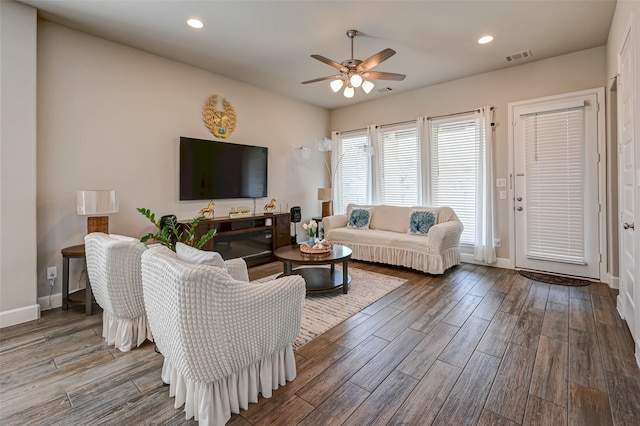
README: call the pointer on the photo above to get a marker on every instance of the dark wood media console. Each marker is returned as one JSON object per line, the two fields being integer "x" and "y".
{"x": 253, "y": 238}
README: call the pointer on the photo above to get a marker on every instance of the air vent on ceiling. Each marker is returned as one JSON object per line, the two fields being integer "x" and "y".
{"x": 521, "y": 55}
{"x": 385, "y": 90}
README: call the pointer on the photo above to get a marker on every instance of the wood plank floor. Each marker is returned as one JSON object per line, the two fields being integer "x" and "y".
{"x": 476, "y": 346}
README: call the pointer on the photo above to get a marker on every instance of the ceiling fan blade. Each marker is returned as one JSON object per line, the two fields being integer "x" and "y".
{"x": 330, "y": 62}
{"x": 377, "y": 75}
{"x": 376, "y": 59}
{"x": 329, "y": 77}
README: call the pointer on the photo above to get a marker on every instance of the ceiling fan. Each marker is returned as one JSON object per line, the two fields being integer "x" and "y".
{"x": 353, "y": 71}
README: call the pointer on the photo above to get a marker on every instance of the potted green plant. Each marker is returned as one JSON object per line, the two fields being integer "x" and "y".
{"x": 170, "y": 232}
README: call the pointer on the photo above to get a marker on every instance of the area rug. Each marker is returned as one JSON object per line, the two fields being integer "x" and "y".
{"x": 554, "y": 279}
{"x": 324, "y": 310}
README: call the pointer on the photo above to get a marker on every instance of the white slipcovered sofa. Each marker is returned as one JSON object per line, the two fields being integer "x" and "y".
{"x": 224, "y": 339}
{"x": 422, "y": 238}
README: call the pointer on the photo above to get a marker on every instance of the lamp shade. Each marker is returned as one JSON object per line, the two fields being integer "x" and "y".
{"x": 302, "y": 153}
{"x": 349, "y": 92}
{"x": 336, "y": 85}
{"x": 324, "y": 145}
{"x": 355, "y": 80}
{"x": 367, "y": 86}
{"x": 324, "y": 194}
{"x": 97, "y": 202}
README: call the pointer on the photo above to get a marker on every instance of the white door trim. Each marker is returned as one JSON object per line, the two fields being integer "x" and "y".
{"x": 602, "y": 217}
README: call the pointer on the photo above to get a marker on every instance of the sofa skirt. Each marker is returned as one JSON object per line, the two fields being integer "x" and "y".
{"x": 123, "y": 333}
{"x": 213, "y": 403}
{"x": 430, "y": 263}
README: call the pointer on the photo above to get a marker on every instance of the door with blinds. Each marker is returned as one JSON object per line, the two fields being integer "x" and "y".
{"x": 556, "y": 164}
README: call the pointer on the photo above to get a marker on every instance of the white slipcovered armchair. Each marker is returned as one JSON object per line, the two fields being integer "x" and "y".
{"x": 224, "y": 340}
{"x": 113, "y": 266}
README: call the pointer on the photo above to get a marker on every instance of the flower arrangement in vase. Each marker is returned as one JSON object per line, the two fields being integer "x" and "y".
{"x": 311, "y": 229}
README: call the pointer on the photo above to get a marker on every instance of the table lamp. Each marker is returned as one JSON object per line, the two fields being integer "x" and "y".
{"x": 97, "y": 204}
{"x": 324, "y": 195}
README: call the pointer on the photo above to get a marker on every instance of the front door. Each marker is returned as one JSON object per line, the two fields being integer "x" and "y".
{"x": 556, "y": 167}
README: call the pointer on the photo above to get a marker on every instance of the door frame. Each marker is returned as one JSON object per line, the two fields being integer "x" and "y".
{"x": 601, "y": 136}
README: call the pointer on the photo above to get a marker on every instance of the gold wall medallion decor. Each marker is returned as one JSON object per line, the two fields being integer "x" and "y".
{"x": 221, "y": 124}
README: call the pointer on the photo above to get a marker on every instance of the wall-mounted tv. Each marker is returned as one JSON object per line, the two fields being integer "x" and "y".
{"x": 211, "y": 170}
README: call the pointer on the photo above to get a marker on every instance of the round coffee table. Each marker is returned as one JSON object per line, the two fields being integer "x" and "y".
{"x": 317, "y": 279}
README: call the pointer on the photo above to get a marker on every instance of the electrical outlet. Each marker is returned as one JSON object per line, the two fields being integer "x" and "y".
{"x": 498, "y": 242}
{"x": 52, "y": 272}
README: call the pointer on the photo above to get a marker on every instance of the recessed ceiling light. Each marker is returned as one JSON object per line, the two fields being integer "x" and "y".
{"x": 195, "y": 23}
{"x": 486, "y": 39}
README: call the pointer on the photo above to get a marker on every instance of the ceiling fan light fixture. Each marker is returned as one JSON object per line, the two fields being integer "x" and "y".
{"x": 353, "y": 71}
{"x": 367, "y": 86}
{"x": 355, "y": 80}
{"x": 349, "y": 92}
{"x": 336, "y": 85}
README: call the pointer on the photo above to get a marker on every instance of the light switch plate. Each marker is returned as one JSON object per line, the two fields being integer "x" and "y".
{"x": 501, "y": 183}
{"x": 503, "y": 195}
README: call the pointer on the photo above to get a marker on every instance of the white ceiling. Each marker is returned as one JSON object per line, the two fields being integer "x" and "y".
{"x": 268, "y": 43}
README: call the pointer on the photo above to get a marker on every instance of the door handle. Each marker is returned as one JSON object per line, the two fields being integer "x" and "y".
{"x": 519, "y": 209}
{"x": 519, "y": 199}
{"x": 629, "y": 226}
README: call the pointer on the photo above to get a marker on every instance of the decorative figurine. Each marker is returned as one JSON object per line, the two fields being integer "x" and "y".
{"x": 207, "y": 210}
{"x": 270, "y": 207}
{"x": 320, "y": 243}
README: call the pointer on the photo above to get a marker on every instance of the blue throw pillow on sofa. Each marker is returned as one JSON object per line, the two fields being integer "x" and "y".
{"x": 420, "y": 221}
{"x": 359, "y": 219}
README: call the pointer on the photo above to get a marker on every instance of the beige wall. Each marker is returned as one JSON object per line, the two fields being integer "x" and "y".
{"x": 17, "y": 164}
{"x": 567, "y": 73}
{"x": 110, "y": 117}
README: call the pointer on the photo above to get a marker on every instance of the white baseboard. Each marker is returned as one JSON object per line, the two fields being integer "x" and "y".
{"x": 500, "y": 263}
{"x": 19, "y": 315}
{"x": 614, "y": 282}
{"x": 45, "y": 304}
{"x": 619, "y": 307}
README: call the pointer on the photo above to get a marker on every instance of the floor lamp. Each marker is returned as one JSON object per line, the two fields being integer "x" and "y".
{"x": 97, "y": 204}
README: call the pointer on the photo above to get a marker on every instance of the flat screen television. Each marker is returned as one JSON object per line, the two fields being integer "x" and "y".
{"x": 211, "y": 170}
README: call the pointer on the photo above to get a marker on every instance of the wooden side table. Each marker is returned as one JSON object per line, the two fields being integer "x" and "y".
{"x": 74, "y": 252}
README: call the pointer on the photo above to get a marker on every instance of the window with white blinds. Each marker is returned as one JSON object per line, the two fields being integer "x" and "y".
{"x": 455, "y": 150}
{"x": 555, "y": 181}
{"x": 351, "y": 165}
{"x": 397, "y": 171}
